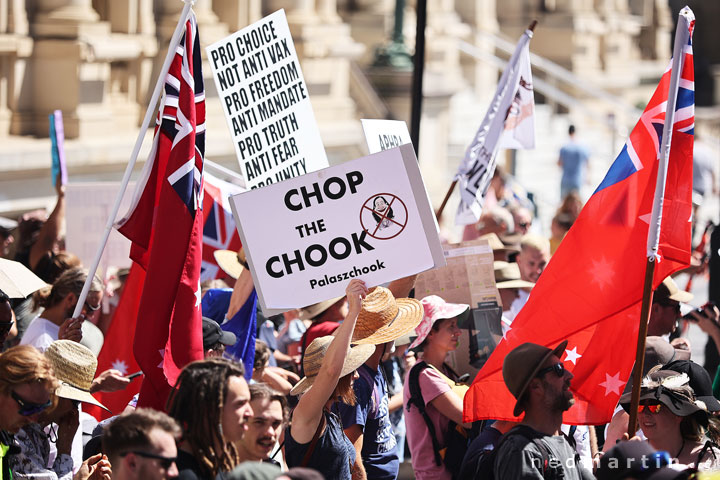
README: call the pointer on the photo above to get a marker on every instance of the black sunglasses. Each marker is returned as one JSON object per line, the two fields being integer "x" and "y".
{"x": 28, "y": 408}
{"x": 165, "y": 462}
{"x": 558, "y": 369}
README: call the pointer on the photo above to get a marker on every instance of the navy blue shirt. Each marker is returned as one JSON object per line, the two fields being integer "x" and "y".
{"x": 379, "y": 450}
{"x": 333, "y": 453}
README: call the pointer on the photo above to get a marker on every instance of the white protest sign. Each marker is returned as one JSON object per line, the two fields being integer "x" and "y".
{"x": 88, "y": 207}
{"x": 266, "y": 103}
{"x": 368, "y": 218}
{"x": 385, "y": 134}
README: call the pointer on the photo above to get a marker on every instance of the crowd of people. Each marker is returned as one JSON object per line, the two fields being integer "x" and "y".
{"x": 349, "y": 388}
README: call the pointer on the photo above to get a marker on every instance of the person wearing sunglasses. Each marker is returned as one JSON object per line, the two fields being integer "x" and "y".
{"x": 142, "y": 445}
{"x": 59, "y": 302}
{"x": 673, "y": 419}
{"x": 26, "y": 386}
{"x": 56, "y": 435}
{"x": 538, "y": 380}
{"x": 665, "y": 310}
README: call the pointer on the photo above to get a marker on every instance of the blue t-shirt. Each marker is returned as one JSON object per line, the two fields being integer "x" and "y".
{"x": 574, "y": 157}
{"x": 379, "y": 451}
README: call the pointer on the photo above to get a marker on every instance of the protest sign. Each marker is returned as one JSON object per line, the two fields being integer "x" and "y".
{"x": 368, "y": 218}
{"x": 385, "y": 134}
{"x": 88, "y": 208}
{"x": 266, "y": 103}
{"x": 57, "y": 147}
{"x": 469, "y": 278}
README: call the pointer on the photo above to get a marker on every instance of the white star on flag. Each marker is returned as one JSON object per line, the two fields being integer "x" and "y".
{"x": 646, "y": 218}
{"x": 198, "y": 296}
{"x": 612, "y": 384}
{"x": 162, "y": 354}
{"x": 120, "y": 366}
{"x": 572, "y": 355}
{"x": 601, "y": 272}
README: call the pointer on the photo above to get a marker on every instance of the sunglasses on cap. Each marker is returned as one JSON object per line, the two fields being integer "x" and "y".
{"x": 165, "y": 462}
{"x": 655, "y": 408}
{"x": 28, "y": 408}
{"x": 558, "y": 369}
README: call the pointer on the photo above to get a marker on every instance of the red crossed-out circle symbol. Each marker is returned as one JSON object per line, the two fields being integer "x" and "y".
{"x": 383, "y": 216}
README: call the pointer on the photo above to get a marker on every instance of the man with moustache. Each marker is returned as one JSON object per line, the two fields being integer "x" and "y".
{"x": 536, "y": 448}
{"x": 264, "y": 427}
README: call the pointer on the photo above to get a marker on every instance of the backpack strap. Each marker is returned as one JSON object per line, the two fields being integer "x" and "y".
{"x": 313, "y": 442}
{"x": 709, "y": 446}
{"x": 416, "y": 399}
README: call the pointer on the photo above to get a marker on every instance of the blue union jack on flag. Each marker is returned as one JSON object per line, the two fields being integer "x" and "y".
{"x": 219, "y": 230}
{"x": 166, "y": 230}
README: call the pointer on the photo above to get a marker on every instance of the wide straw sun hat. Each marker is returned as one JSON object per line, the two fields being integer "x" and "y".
{"x": 315, "y": 354}
{"x": 74, "y": 367}
{"x": 383, "y": 318}
{"x": 231, "y": 262}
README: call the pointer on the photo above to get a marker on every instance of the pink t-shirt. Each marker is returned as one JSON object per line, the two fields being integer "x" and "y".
{"x": 432, "y": 386}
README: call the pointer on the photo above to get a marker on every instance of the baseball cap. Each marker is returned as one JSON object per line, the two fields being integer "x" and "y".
{"x": 212, "y": 334}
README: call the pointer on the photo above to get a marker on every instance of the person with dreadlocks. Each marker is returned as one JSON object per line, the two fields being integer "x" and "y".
{"x": 315, "y": 437}
{"x": 211, "y": 402}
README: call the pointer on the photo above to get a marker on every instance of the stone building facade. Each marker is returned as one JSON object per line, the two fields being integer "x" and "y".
{"x": 97, "y": 61}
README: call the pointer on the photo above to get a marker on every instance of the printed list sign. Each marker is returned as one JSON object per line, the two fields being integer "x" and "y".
{"x": 307, "y": 237}
{"x": 266, "y": 103}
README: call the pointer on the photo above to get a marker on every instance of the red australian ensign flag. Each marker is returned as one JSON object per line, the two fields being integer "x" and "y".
{"x": 591, "y": 291}
{"x": 165, "y": 227}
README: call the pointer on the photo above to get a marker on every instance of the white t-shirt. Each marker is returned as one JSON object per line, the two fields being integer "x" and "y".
{"x": 517, "y": 305}
{"x": 40, "y": 334}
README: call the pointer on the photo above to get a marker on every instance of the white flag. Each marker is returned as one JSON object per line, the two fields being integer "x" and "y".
{"x": 510, "y": 116}
{"x": 519, "y": 130}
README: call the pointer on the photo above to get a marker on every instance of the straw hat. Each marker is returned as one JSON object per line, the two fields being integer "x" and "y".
{"x": 507, "y": 275}
{"x": 496, "y": 244}
{"x": 384, "y": 318}
{"x": 231, "y": 262}
{"x": 74, "y": 367}
{"x": 312, "y": 311}
{"x": 315, "y": 354}
{"x": 668, "y": 289}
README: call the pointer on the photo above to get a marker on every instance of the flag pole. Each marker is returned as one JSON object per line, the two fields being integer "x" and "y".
{"x": 681, "y": 39}
{"x": 175, "y": 39}
{"x": 440, "y": 210}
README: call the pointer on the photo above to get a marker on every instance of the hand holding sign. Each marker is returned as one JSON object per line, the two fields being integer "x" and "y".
{"x": 356, "y": 291}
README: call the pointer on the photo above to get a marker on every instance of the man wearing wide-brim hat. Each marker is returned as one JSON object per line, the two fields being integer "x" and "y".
{"x": 509, "y": 285}
{"x": 536, "y": 377}
{"x": 382, "y": 320}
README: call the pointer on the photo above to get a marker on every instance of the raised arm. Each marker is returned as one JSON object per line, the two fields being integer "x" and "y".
{"x": 241, "y": 292}
{"x": 309, "y": 410}
{"x": 50, "y": 231}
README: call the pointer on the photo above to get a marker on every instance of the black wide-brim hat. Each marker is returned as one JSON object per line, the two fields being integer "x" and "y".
{"x": 700, "y": 382}
{"x": 676, "y": 402}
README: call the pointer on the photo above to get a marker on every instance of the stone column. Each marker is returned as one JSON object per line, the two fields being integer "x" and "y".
{"x": 67, "y": 19}
{"x": 237, "y": 15}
